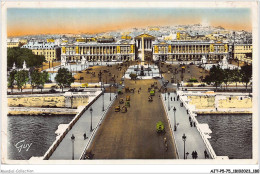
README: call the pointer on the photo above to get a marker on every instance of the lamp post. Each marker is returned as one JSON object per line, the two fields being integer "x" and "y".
{"x": 103, "y": 91}
{"x": 168, "y": 101}
{"x": 72, "y": 140}
{"x": 184, "y": 139}
{"x": 175, "y": 127}
{"x": 165, "y": 94}
{"x": 91, "y": 110}
{"x": 110, "y": 92}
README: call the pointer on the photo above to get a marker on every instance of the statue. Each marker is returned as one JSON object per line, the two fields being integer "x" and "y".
{"x": 14, "y": 67}
{"x": 24, "y": 65}
{"x": 83, "y": 60}
{"x": 203, "y": 59}
{"x": 63, "y": 60}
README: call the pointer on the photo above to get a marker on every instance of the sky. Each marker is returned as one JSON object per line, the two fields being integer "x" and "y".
{"x": 30, "y": 21}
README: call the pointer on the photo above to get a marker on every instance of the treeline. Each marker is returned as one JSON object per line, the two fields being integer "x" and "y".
{"x": 37, "y": 79}
{"x": 23, "y": 77}
{"x": 219, "y": 76}
{"x": 18, "y": 55}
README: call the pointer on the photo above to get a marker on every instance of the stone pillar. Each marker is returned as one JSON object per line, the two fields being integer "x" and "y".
{"x": 142, "y": 51}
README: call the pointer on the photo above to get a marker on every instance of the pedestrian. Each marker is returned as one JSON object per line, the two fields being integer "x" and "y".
{"x": 205, "y": 153}
{"x": 189, "y": 118}
{"x": 165, "y": 140}
{"x": 194, "y": 124}
{"x": 190, "y": 124}
{"x": 171, "y": 98}
{"x": 193, "y": 154}
{"x": 85, "y": 136}
{"x": 174, "y": 98}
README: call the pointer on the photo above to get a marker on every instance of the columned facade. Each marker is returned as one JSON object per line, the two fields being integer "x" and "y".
{"x": 98, "y": 52}
{"x": 186, "y": 51}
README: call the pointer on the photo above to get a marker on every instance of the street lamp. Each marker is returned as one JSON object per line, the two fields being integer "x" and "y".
{"x": 103, "y": 91}
{"x": 110, "y": 92}
{"x": 165, "y": 94}
{"x": 175, "y": 127}
{"x": 91, "y": 110}
{"x": 184, "y": 139}
{"x": 168, "y": 101}
{"x": 72, "y": 140}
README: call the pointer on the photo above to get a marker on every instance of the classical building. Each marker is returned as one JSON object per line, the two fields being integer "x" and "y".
{"x": 49, "y": 50}
{"x": 144, "y": 46}
{"x": 189, "y": 50}
{"x": 100, "y": 50}
{"x": 243, "y": 52}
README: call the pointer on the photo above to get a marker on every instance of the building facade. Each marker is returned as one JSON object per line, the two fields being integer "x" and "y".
{"x": 101, "y": 50}
{"x": 189, "y": 50}
{"x": 49, "y": 50}
{"x": 243, "y": 52}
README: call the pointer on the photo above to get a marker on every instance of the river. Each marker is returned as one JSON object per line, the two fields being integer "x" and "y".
{"x": 231, "y": 134}
{"x": 35, "y": 133}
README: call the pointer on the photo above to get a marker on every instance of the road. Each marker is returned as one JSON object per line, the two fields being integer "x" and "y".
{"x": 132, "y": 135}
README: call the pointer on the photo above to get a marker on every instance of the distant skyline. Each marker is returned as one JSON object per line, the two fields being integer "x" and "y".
{"x": 32, "y": 21}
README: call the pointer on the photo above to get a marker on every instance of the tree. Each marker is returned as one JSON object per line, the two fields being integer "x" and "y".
{"x": 64, "y": 78}
{"x": 216, "y": 75}
{"x": 18, "y": 55}
{"x": 235, "y": 76}
{"x": 11, "y": 80}
{"x": 133, "y": 76}
{"x": 227, "y": 76}
{"x": 21, "y": 77}
{"x": 246, "y": 74}
{"x": 35, "y": 77}
{"x": 44, "y": 77}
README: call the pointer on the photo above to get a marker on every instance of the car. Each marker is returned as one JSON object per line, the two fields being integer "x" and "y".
{"x": 201, "y": 85}
{"x": 52, "y": 90}
{"x": 73, "y": 90}
{"x": 53, "y": 86}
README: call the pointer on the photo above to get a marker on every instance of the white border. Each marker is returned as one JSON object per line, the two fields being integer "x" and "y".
{"x": 253, "y": 5}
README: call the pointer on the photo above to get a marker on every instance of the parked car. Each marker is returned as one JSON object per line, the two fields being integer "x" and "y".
{"x": 202, "y": 85}
{"x": 52, "y": 90}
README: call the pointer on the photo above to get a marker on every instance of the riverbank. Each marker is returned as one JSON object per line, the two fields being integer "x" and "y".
{"x": 33, "y": 111}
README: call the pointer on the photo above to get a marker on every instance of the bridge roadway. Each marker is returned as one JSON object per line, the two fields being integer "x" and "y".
{"x": 132, "y": 135}
{"x": 64, "y": 150}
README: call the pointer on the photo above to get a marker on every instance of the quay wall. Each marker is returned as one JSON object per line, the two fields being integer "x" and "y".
{"x": 47, "y": 101}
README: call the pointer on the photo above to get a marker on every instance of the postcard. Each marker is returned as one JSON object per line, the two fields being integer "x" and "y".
{"x": 130, "y": 83}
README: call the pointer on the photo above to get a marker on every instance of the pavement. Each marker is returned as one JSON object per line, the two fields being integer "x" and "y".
{"x": 132, "y": 135}
{"x": 194, "y": 141}
{"x": 64, "y": 150}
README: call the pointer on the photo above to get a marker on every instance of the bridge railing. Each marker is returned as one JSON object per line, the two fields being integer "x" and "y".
{"x": 92, "y": 136}
{"x": 169, "y": 123}
{"x": 56, "y": 143}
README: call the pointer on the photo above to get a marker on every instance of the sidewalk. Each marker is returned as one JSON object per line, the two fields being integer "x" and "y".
{"x": 194, "y": 141}
{"x": 64, "y": 150}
